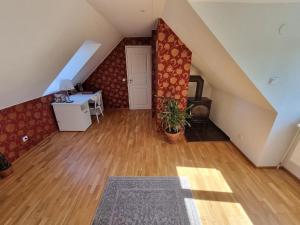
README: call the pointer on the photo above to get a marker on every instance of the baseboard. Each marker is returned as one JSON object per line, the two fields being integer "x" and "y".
{"x": 260, "y": 167}
{"x": 291, "y": 174}
{"x": 265, "y": 167}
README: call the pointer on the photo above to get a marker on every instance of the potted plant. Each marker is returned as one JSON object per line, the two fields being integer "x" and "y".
{"x": 5, "y": 166}
{"x": 173, "y": 119}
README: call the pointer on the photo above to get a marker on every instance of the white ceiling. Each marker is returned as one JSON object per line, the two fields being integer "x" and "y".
{"x": 209, "y": 56}
{"x": 264, "y": 40}
{"x": 133, "y": 18}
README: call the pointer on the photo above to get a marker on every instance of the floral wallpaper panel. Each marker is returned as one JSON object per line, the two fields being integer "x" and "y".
{"x": 34, "y": 118}
{"x": 173, "y": 67}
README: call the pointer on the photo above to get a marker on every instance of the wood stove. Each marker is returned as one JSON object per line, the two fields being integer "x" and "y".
{"x": 201, "y": 105}
{"x": 202, "y": 128}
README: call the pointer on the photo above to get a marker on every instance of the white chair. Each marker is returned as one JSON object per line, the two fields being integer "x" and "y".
{"x": 96, "y": 107}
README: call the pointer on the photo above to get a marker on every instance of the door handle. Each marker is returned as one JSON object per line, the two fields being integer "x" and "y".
{"x": 130, "y": 81}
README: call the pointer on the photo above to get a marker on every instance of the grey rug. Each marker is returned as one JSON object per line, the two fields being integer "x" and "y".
{"x": 147, "y": 201}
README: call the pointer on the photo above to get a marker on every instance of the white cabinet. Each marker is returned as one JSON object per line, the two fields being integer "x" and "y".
{"x": 72, "y": 117}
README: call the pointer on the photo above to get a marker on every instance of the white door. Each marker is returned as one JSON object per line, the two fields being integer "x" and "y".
{"x": 138, "y": 63}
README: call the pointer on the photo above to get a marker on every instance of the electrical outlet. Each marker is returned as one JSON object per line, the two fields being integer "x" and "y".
{"x": 25, "y": 138}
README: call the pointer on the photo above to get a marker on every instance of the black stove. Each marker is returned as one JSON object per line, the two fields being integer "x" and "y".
{"x": 202, "y": 128}
{"x": 200, "y": 108}
{"x": 200, "y": 105}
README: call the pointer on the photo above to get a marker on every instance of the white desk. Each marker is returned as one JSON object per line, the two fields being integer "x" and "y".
{"x": 74, "y": 116}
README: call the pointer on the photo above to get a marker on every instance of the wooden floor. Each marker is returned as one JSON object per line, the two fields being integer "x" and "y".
{"x": 61, "y": 180}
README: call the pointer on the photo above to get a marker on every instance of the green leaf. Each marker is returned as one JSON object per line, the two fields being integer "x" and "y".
{"x": 172, "y": 118}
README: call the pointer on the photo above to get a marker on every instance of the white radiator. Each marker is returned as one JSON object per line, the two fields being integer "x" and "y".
{"x": 295, "y": 156}
{"x": 291, "y": 160}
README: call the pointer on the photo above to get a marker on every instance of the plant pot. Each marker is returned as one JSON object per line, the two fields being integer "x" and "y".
{"x": 6, "y": 172}
{"x": 173, "y": 137}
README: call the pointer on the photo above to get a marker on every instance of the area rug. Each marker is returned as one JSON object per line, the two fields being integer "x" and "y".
{"x": 147, "y": 201}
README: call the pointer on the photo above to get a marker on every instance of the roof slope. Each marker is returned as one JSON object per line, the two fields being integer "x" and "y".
{"x": 240, "y": 47}
{"x": 209, "y": 55}
{"x": 263, "y": 39}
{"x": 75, "y": 70}
{"x": 39, "y": 37}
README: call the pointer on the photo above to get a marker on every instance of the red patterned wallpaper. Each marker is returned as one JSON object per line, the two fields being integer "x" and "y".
{"x": 173, "y": 66}
{"x": 109, "y": 74}
{"x": 154, "y": 73}
{"x": 34, "y": 118}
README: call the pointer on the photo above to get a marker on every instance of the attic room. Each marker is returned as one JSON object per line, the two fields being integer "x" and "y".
{"x": 167, "y": 112}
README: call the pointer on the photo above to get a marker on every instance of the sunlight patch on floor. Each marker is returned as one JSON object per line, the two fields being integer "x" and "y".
{"x": 204, "y": 179}
{"x": 192, "y": 211}
{"x": 231, "y": 213}
{"x": 213, "y": 197}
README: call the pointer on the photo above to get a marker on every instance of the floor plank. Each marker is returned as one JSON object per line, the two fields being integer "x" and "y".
{"x": 61, "y": 180}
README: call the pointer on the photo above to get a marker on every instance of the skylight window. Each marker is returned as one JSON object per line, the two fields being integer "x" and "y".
{"x": 72, "y": 70}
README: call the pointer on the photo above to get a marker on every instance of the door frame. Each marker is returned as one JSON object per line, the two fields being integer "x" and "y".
{"x": 127, "y": 72}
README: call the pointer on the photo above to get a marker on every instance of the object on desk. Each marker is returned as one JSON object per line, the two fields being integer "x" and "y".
{"x": 66, "y": 85}
{"x": 59, "y": 98}
{"x": 79, "y": 87}
{"x": 96, "y": 106}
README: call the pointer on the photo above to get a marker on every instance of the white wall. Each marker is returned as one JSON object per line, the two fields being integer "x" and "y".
{"x": 207, "y": 88}
{"x": 39, "y": 37}
{"x": 238, "y": 107}
{"x": 209, "y": 55}
{"x": 279, "y": 139}
{"x": 248, "y": 125}
{"x": 250, "y": 33}
{"x": 264, "y": 40}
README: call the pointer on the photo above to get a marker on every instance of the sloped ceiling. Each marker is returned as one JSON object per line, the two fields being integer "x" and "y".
{"x": 264, "y": 40}
{"x": 74, "y": 70}
{"x": 39, "y": 37}
{"x": 133, "y": 18}
{"x": 209, "y": 55}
